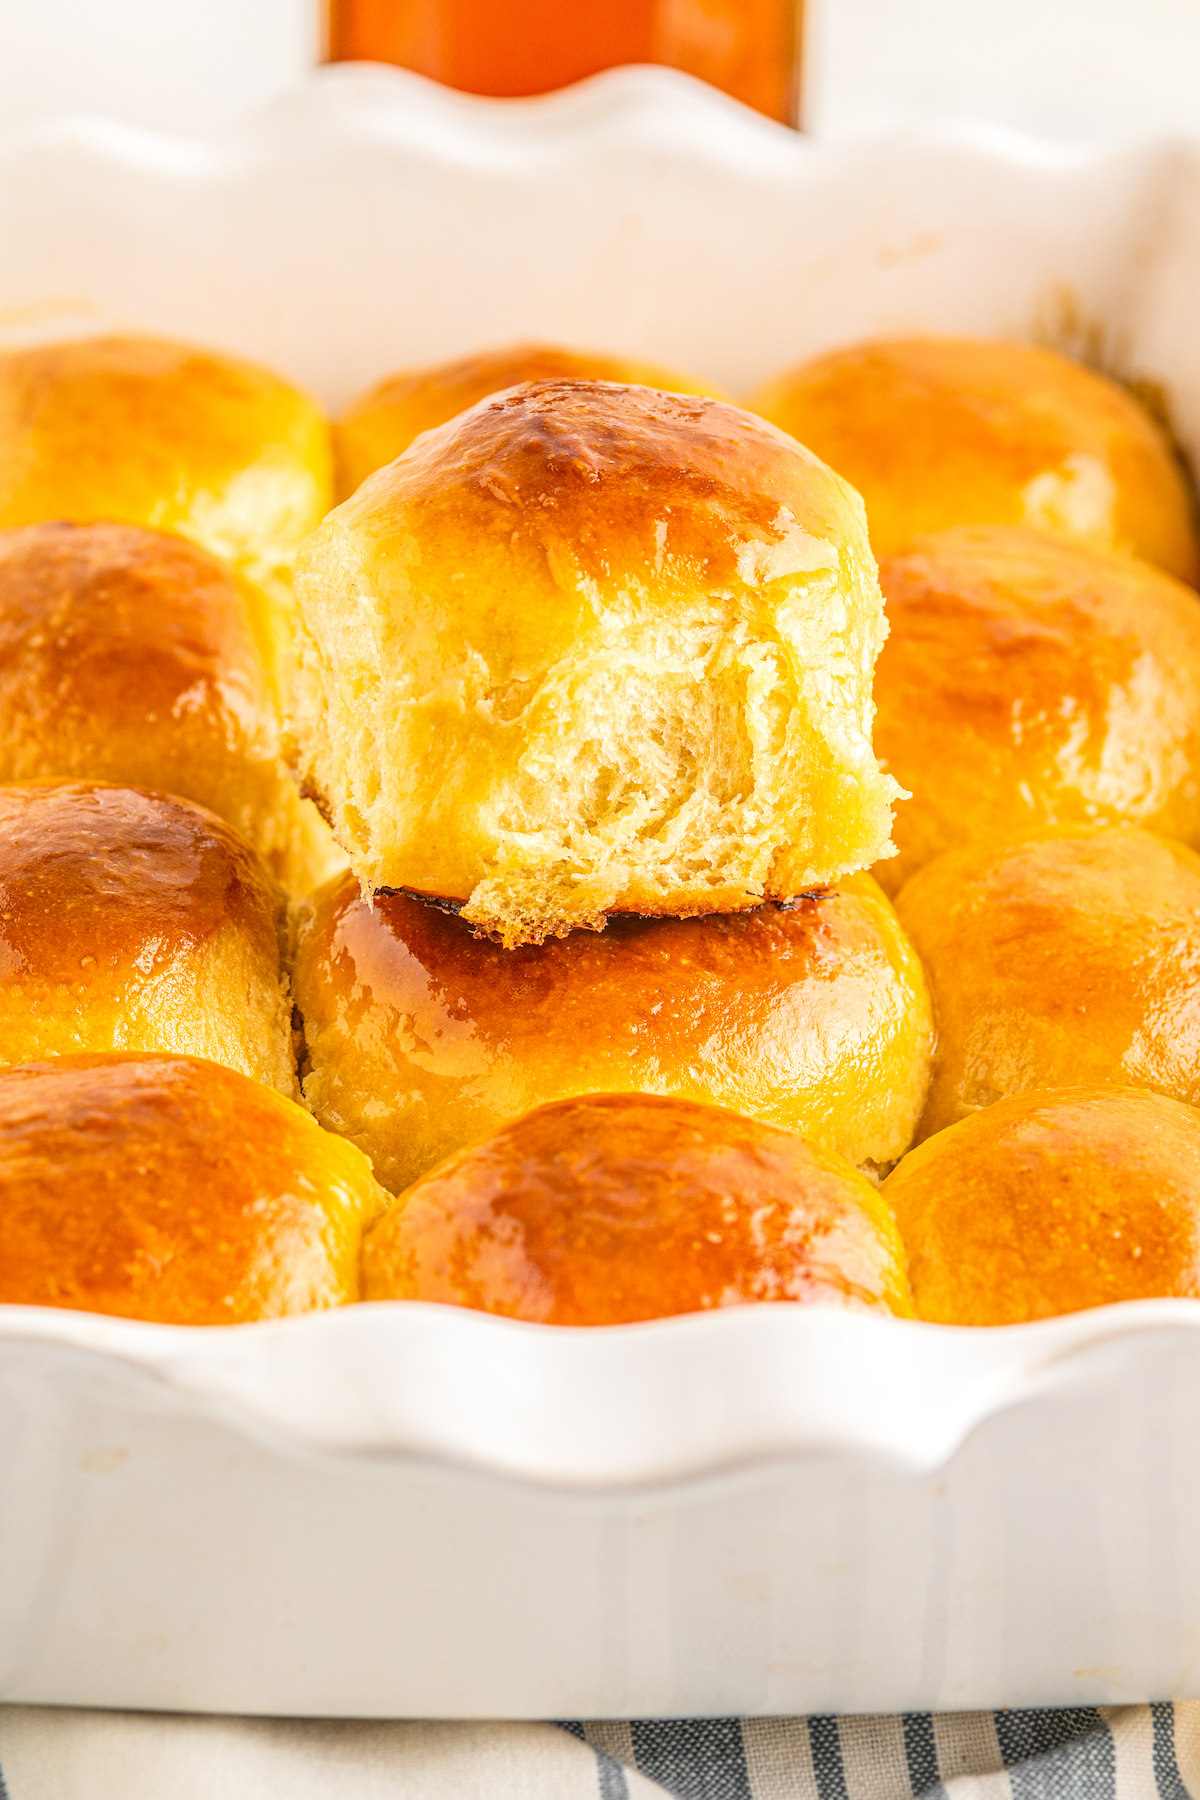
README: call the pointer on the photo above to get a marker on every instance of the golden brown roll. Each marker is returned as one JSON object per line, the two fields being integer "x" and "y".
{"x": 127, "y": 655}
{"x": 166, "y": 1188}
{"x": 149, "y": 432}
{"x": 379, "y": 425}
{"x": 421, "y": 1037}
{"x": 589, "y": 649}
{"x": 614, "y": 1207}
{"x": 130, "y": 920}
{"x": 937, "y": 431}
{"x": 1052, "y": 1202}
{"x": 1028, "y": 680}
{"x": 1072, "y": 957}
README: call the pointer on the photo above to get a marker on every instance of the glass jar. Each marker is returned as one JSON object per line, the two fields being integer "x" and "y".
{"x": 749, "y": 48}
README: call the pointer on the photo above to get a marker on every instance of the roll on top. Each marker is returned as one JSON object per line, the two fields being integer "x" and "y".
{"x": 593, "y": 648}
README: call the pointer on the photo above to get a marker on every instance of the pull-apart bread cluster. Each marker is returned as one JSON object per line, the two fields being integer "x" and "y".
{"x": 585, "y": 692}
{"x": 155, "y": 1160}
{"x": 152, "y": 499}
{"x": 1039, "y": 698}
{"x": 610, "y": 1015}
{"x": 584, "y": 641}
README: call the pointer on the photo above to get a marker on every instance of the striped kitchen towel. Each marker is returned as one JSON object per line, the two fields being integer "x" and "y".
{"x": 1084, "y": 1753}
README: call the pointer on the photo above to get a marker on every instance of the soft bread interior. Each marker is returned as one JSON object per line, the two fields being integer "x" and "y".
{"x": 658, "y": 702}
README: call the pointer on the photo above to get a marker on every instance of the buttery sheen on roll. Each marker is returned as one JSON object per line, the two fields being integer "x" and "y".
{"x": 611, "y": 1208}
{"x": 132, "y": 920}
{"x": 421, "y": 1038}
{"x": 1073, "y": 956}
{"x": 149, "y": 432}
{"x": 1052, "y": 1202}
{"x": 1029, "y": 681}
{"x": 379, "y": 425}
{"x": 128, "y": 655}
{"x": 591, "y": 648}
{"x": 937, "y": 431}
{"x": 167, "y": 1188}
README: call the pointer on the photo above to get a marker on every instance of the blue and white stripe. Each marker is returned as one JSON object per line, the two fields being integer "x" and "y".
{"x": 1078, "y": 1753}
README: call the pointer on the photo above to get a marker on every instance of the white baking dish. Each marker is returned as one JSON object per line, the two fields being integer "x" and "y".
{"x": 412, "y": 1510}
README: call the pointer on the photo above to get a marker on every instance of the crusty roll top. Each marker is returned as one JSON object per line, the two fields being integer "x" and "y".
{"x": 132, "y": 656}
{"x": 616, "y": 1207}
{"x": 123, "y": 877}
{"x": 937, "y": 431}
{"x": 157, "y": 433}
{"x": 627, "y": 480}
{"x": 1070, "y": 956}
{"x": 1028, "y": 680}
{"x": 135, "y": 920}
{"x": 1051, "y": 1202}
{"x": 103, "y": 623}
{"x": 169, "y": 1189}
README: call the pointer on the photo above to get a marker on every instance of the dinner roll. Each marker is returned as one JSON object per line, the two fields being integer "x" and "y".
{"x": 1051, "y": 1202}
{"x": 613, "y": 1207}
{"x": 1028, "y": 680}
{"x": 421, "y": 1037}
{"x": 1071, "y": 957}
{"x": 166, "y": 1188}
{"x": 591, "y": 648}
{"x": 134, "y": 921}
{"x": 127, "y": 655}
{"x": 936, "y": 431}
{"x": 380, "y": 425}
{"x": 148, "y": 432}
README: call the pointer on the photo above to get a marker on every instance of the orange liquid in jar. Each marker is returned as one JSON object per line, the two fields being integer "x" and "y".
{"x": 746, "y": 47}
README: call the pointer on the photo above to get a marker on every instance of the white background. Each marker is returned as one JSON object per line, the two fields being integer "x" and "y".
{"x": 1073, "y": 69}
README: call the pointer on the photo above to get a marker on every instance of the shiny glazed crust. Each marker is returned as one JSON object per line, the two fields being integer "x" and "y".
{"x": 128, "y": 655}
{"x": 420, "y": 1037}
{"x": 937, "y": 431}
{"x": 1072, "y": 957}
{"x": 614, "y": 1207}
{"x": 379, "y": 425}
{"x": 1028, "y": 680}
{"x": 589, "y": 649}
{"x": 167, "y": 1188}
{"x": 150, "y": 432}
{"x": 131, "y": 920}
{"x": 1052, "y": 1202}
